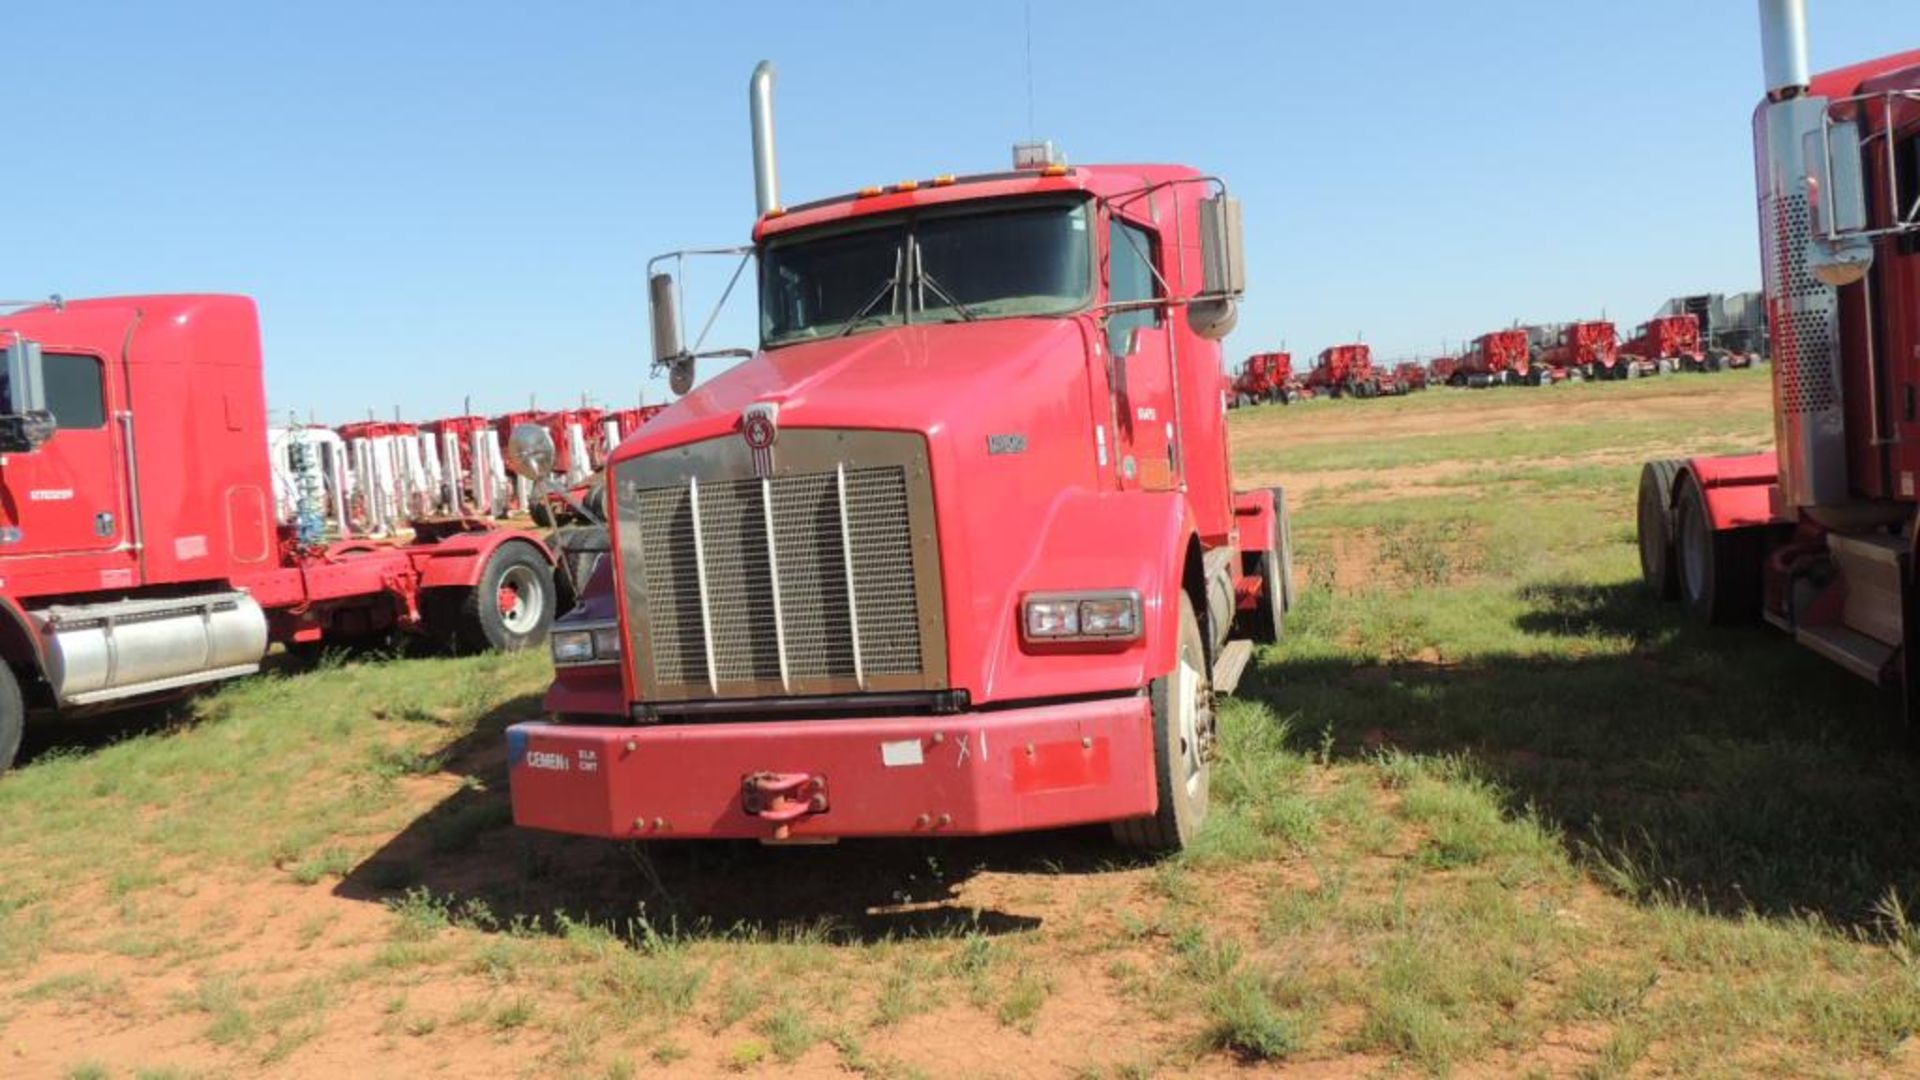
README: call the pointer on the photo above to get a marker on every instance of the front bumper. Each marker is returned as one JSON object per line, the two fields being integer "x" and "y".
{"x": 1009, "y": 770}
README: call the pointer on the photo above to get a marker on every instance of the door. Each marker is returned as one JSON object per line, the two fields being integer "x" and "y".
{"x": 1142, "y": 367}
{"x": 67, "y": 496}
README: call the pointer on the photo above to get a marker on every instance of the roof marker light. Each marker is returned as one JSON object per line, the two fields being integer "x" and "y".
{"x": 943, "y": 180}
{"x": 907, "y": 185}
{"x": 870, "y": 191}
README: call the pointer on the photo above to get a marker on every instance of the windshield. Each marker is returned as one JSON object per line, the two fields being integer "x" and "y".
{"x": 938, "y": 265}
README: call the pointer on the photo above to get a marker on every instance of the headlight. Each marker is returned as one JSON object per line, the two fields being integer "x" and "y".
{"x": 606, "y": 643}
{"x": 585, "y": 644}
{"x": 1105, "y": 615}
{"x": 571, "y": 646}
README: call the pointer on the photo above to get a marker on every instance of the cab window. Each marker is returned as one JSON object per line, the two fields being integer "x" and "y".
{"x": 76, "y": 391}
{"x": 1130, "y": 255}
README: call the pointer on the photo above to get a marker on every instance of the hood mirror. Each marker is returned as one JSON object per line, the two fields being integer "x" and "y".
{"x": 530, "y": 452}
{"x": 669, "y": 350}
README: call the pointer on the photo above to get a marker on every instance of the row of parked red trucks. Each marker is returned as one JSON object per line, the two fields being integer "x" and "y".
{"x": 1530, "y": 356}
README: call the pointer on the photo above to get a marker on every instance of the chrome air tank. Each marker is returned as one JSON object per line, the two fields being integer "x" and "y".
{"x": 126, "y": 648}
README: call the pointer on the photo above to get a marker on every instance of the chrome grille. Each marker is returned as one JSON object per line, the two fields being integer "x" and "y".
{"x": 809, "y": 581}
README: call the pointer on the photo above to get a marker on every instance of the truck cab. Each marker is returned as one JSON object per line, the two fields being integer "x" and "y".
{"x": 953, "y": 551}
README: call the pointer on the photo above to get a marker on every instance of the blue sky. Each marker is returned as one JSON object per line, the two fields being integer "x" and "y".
{"x": 437, "y": 201}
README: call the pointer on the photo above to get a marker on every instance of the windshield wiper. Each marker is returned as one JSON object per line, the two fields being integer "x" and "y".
{"x": 886, "y": 289}
{"x": 929, "y": 281}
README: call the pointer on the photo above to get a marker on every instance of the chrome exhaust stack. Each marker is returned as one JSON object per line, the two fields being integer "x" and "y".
{"x": 1783, "y": 47}
{"x": 766, "y": 171}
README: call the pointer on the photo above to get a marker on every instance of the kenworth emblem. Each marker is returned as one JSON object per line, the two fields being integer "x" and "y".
{"x": 759, "y": 426}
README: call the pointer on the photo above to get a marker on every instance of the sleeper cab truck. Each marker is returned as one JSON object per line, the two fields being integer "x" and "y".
{"x": 140, "y": 551}
{"x": 1817, "y": 537}
{"x": 954, "y": 551}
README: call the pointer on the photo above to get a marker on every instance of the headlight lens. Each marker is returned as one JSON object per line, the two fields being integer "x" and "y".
{"x": 571, "y": 646}
{"x": 1104, "y": 615}
{"x": 606, "y": 643}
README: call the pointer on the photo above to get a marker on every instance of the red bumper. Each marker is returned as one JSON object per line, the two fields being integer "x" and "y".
{"x": 972, "y": 774}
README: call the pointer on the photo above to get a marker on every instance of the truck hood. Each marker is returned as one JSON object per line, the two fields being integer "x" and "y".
{"x": 931, "y": 379}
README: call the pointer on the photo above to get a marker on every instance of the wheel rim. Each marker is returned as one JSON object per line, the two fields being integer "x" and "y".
{"x": 1695, "y": 550}
{"x": 1196, "y": 728}
{"x": 521, "y": 599}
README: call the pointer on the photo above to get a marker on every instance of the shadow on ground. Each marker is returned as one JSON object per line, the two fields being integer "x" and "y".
{"x": 1729, "y": 768}
{"x": 465, "y": 849}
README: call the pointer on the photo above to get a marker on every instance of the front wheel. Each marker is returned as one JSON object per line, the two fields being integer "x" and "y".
{"x": 13, "y": 717}
{"x": 511, "y": 607}
{"x": 1183, "y": 735}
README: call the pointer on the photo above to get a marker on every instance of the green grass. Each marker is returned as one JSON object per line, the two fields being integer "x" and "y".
{"x": 1487, "y": 810}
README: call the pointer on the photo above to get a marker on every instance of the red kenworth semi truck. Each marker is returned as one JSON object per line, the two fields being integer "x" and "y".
{"x": 955, "y": 551}
{"x": 1817, "y": 537}
{"x": 140, "y": 551}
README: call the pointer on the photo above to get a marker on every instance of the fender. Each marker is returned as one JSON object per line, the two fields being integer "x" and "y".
{"x": 1254, "y": 513}
{"x": 1092, "y": 540}
{"x": 1739, "y": 489}
{"x": 457, "y": 560}
{"x": 19, "y": 643}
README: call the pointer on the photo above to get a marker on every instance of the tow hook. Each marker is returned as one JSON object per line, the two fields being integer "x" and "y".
{"x": 783, "y": 798}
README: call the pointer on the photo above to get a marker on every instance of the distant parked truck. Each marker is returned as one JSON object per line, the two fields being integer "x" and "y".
{"x": 1669, "y": 343}
{"x": 1590, "y": 348}
{"x": 1496, "y": 359}
{"x": 1345, "y": 369}
{"x": 1441, "y": 369}
{"x": 140, "y": 551}
{"x": 1411, "y": 374}
{"x": 1263, "y": 378}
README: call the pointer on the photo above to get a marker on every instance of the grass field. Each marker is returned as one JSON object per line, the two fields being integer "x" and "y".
{"x": 1486, "y": 812}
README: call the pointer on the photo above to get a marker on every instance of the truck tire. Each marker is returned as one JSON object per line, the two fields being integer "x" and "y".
{"x": 13, "y": 717}
{"x": 1719, "y": 569}
{"x": 1655, "y": 527}
{"x": 1183, "y": 749}
{"x": 512, "y": 607}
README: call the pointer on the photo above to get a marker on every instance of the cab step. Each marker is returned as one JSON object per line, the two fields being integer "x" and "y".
{"x": 1231, "y": 664}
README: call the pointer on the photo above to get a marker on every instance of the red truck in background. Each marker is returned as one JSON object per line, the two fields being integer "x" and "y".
{"x": 954, "y": 551}
{"x": 1817, "y": 536}
{"x": 1590, "y": 348}
{"x": 1345, "y": 369}
{"x": 1501, "y": 358}
{"x": 1668, "y": 343}
{"x": 1441, "y": 369}
{"x": 140, "y": 551}
{"x": 1264, "y": 378}
{"x": 1411, "y": 375}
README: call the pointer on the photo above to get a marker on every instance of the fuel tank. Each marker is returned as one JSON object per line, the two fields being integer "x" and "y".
{"x": 102, "y": 652}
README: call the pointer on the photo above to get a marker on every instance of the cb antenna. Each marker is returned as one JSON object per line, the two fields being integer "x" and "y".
{"x": 1030, "y": 126}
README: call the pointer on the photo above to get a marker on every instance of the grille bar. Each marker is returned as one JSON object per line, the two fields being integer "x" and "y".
{"x": 700, "y": 573}
{"x": 773, "y": 581}
{"x": 846, "y": 559}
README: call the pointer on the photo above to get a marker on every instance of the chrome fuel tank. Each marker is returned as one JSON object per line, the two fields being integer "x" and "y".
{"x": 101, "y": 652}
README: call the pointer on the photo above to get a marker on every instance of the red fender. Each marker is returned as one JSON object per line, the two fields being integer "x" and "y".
{"x": 457, "y": 560}
{"x": 1090, "y": 540}
{"x": 1739, "y": 489}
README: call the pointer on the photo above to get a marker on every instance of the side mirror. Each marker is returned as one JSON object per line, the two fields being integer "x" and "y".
{"x": 1837, "y": 196}
{"x": 25, "y": 424}
{"x": 530, "y": 451}
{"x": 1223, "y": 267}
{"x": 669, "y": 351}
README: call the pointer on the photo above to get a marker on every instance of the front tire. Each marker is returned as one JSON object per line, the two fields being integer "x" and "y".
{"x": 1183, "y": 730}
{"x": 13, "y": 717}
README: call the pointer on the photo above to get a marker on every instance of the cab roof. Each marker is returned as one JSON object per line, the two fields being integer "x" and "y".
{"x": 1103, "y": 181}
